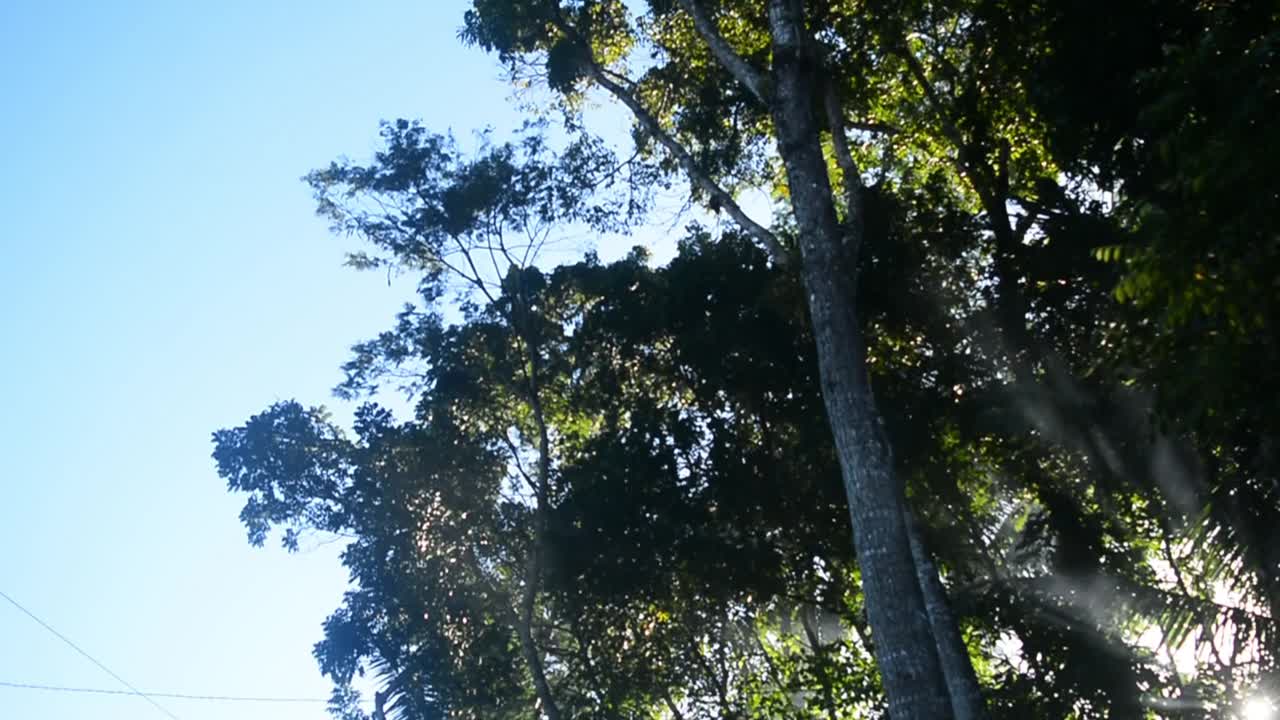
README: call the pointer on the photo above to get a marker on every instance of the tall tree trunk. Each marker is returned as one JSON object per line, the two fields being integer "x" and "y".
{"x": 906, "y": 652}
{"x": 962, "y": 681}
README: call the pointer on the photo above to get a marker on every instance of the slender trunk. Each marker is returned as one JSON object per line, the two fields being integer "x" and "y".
{"x": 529, "y": 650}
{"x": 528, "y": 600}
{"x": 905, "y": 649}
{"x": 962, "y": 682}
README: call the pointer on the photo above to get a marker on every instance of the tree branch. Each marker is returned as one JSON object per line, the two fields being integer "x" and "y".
{"x": 993, "y": 193}
{"x": 844, "y": 160}
{"x": 877, "y": 128}
{"x": 671, "y": 705}
{"x": 728, "y": 58}
{"x": 949, "y": 128}
{"x": 696, "y": 174}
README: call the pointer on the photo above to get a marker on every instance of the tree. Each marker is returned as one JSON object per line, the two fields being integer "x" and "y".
{"x": 587, "y": 42}
{"x": 946, "y": 182}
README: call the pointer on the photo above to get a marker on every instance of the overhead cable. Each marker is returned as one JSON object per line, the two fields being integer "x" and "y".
{"x": 132, "y": 690}
{"x": 176, "y": 696}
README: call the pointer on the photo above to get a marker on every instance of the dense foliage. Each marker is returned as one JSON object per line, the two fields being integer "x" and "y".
{"x": 619, "y": 495}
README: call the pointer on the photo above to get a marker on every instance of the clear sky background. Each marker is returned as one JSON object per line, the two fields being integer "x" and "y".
{"x": 163, "y": 276}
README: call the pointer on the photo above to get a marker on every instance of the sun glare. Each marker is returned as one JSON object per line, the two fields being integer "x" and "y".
{"x": 1258, "y": 708}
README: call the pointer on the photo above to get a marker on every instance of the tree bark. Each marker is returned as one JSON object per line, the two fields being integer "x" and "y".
{"x": 906, "y": 651}
{"x": 962, "y": 681}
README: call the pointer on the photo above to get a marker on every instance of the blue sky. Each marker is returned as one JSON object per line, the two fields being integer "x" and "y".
{"x": 163, "y": 276}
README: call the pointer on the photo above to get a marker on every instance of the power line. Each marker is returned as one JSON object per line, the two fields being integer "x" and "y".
{"x": 176, "y": 696}
{"x": 90, "y": 658}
